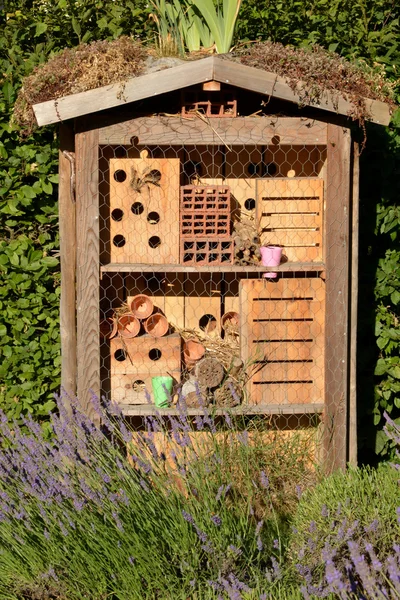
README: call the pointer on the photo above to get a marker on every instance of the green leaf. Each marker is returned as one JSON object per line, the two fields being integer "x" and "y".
{"x": 40, "y": 28}
{"x": 395, "y": 297}
{"x": 76, "y": 27}
{"x": 8, "y": 93}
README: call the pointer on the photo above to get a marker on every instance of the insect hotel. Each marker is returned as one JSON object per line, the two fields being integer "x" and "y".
{"x": 209, "y": 247}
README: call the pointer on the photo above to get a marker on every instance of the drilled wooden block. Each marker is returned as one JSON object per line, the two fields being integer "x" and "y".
{"x": 144, "y": 210}
{"x": 135, "y": 361}
{"x": 206, "y": 251}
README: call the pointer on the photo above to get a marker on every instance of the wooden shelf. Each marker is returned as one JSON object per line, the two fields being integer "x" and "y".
{"x": 146, "y": 268}
{"x": 143, "y": 410}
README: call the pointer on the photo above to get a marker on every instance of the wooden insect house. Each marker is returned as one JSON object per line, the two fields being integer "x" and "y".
{"x": 209, "y": 249}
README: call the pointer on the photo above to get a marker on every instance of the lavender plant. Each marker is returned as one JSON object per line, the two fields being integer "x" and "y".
{"x": 100, "y": 513}
{"x": 346, "y": 533}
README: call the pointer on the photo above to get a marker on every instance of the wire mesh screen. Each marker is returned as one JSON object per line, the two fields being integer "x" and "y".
{"x": 212, "y": 264}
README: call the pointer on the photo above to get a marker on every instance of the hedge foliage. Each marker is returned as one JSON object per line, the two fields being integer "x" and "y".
{"x": 31, "y": 31}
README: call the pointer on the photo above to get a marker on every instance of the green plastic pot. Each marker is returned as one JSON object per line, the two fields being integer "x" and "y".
{"x": 162, "y": 388}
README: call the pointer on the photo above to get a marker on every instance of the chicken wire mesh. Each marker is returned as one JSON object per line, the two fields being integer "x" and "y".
{"x": 190, "y": 303}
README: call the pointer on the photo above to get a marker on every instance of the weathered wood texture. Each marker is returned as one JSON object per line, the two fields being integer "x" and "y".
{"x": 66, "y": 206}
{"x": 121, "y": 93}
{"x": 337, "y": 286}
{"x": 282, "y": 339}
{"x": 263, "y": 82}
{"x": 353, "y": 278}
{"x": 167, "y": 131}
{"x": 191, "y": 73}
{"x": 87, "y": 265}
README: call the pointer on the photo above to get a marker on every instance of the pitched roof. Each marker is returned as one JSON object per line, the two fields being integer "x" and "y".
{"x": 213, "y": 68}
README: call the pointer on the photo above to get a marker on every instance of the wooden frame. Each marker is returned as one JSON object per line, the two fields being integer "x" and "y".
{"x": 337, "y": 307}
{"x": 87, "y": 268}
{"x": 66, "y": 207}
{"x": 79, "y": 226}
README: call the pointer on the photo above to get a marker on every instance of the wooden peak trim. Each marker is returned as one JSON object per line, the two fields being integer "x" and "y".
{"x": 213, "y": 69}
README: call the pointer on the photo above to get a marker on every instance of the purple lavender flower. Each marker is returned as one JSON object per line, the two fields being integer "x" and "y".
{"x": 216, "y": 520}
{"x": 131, "y": 560}
{"x": 259, "y": 544}
{"x": 188, "y": 517}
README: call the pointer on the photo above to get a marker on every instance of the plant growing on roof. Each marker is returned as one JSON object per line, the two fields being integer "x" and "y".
{"x": 195, "y": 24}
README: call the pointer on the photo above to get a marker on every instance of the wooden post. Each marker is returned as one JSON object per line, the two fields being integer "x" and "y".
{"x": 353, "y": 306}
{"x": 87, "y": 269}
{"x": 337, "y": 286}
{"x": 66, "y": 206}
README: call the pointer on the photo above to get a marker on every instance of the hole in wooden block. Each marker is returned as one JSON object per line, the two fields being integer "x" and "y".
{"x": 120, "y": 175}
{"x": 155, "y": 354}
{"x": 153, "y": 218}
{"x": 154, "y": 176}
{"x": 137, "y": 208}
{"x": 250, "y": 204}
{"x": 154, "y": 241}
{"x": 119, "y": 241}
{"x": 120, "y": 355}
{"x": 269, "y": 169}
{"x": 138, "y": 385}
{"x": 208, "y": 323}
{"x": 117, "y": 214}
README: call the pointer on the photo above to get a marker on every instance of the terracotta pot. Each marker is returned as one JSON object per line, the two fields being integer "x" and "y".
{"x": 128, "y": 326}
{"x": 230, "y": 320}
{"x": 193, "y": 351}
{"x": 142, "y": 306}
{"x": 156, "y": 325}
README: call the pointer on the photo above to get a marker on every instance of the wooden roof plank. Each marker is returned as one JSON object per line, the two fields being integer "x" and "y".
{"x": 131, "y": 90}
{"x": 191, "y": 73}
{"x": 264, "y": 82}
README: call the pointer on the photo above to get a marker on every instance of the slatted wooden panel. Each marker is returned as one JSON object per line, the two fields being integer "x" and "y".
{"x": 282, "y": 339}
{"x": 139, "y": 365}
{"x": 135, "y": 236}
{"x": 290, "y": 212}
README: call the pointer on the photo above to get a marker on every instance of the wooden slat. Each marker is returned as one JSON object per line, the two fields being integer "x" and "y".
{"x": 66, "y": 208}
{"x": 244, "y": 409}
{"x": 353, "y": 278}
{"x": 145, "y": 268}
{"x": 271, "y": 84}
{"x": 87, "y": 265}
{"x": 299, "y": 309}
{"x": 292, "y": 350}
{"x": 283, "y": 393}
{"x": 337, "y": 269}
{"x": 168, "y": 131}
{"x": 121, "y": 93}
{"x": 283, "y": 330}
{"x": 277, "y": 221}
{"x": 291, "y": 188}
{"x": 283, "y": 372}
{"x": 282, "y": 206}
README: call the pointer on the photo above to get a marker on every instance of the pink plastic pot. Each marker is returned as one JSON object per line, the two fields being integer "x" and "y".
{"x": 271, "y": 257}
